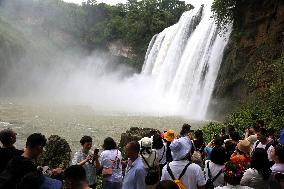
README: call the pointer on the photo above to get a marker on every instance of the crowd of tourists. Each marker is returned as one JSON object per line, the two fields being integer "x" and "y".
{"x": 169, "y": 160}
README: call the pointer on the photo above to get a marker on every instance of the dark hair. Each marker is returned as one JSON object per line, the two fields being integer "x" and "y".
{"x": 86, "y": 139}
{"x": 260, "y": 162}
{"x": 6, "y": 137}
{"x": 199, "y": 135}
{"x": 260, "y": 123}
{"x": 134, "y": 146}
{"x": 218, "y": 155}
{"x": 36, "y": 139}
{"x": 256, "y": 127}
{"x": 233, "y": 179}
{"x": 263, "y": 131}
{"x": 218, "y": 141}
{"x": 157, "y": 142}
{"x": 75, "y": 174}
{"x": 167, "y": 184}
{"x": 109, "y": 144}
{"x": 235, "y": 136}
{"x": 31, "y": 180}
{"x": 279, "y": 151}
{"x": 231, "y": 129}
{"x": 185, "y": 129}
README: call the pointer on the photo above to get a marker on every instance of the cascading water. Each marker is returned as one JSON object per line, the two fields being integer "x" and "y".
{"x": 184, "y": 61}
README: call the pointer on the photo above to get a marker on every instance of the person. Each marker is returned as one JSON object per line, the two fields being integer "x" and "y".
{"x": 20, "y": 166}
{"x": 168, "y": 137}
{"x": 8, "y": 150}
{"x": 198, "y": 148}
{"x": 135, "y": 173}
{"x": 150, "y": 159}
{"x": 259, "y": 175}
{"x": 242, "y": 153}
{"x": 185, "y": 134}
{"x": 281, "y": 138}
{"x": 110, "y": 160}
{"x": 160, "y": 148}
{"x": 233, "y": 173}
{"x": 217, "y": 141}
{"x": 75, "y": 178}
{"x": 85, "y": 157}
{"x": 231, "y": 143}
{"x": 216, "y": 166}
{"x": 193, "y": 176}
{"x": 277, "y": 155}
{"x": 167, "y": 184}
{"x": 252, "y": 138}
{"x": 263, "y": 142}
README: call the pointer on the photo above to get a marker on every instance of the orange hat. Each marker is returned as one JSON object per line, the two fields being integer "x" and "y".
{"x": 169, "y": 135}
{"x": 244, "y": 146}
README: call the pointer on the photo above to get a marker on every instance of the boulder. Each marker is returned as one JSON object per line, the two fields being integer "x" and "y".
{"x": 135, "y": 134}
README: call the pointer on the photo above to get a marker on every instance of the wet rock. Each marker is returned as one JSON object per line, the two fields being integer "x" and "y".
{"x": 135, "y": 134}
{"x": 57, "y": 153}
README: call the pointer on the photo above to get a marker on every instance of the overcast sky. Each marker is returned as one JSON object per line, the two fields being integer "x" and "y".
{"x": 194, "y": 2}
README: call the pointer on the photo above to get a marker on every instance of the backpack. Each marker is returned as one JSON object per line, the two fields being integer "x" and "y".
{"x": 266, "y": 147}
{"x": 210, "y": 181}
{"x": 153, "y": 174}
{"x": 178, "y": 181}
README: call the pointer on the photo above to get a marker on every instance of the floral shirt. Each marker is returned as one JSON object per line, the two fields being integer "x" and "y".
{"x": 89, "y": 168}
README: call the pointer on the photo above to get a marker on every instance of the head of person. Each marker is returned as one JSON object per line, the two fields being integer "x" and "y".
{"x": 244, "y": 147}
{"x": 277, "y": 154}
{"x": 31, "y": 180}
{"x": 132, "y": 150}
{"x": 271, "y": 133}
{"x": 233, "y": 173}
{"x": 255, "y": 128}
{"x": 157, "y": 142}
{"x": 235, "y": 136}
{"x": 218, "y": 155}
{"x": 185, "y": 129}
{"x": 260, "y": 162}
{"x": 75, "y": 177}
{"x": 169, "y": 136}
{"x": 86, "y": 142}
{"x": 259, "y": 123}
{"x": 7, "y": 137}
{"x": 262, "y": 135}
{"x": 146, "y": 145}
{"x": 180, "y": 150}
{"x": 231, "y": 128}
{"x": 35, "y": 144}
{"x": 167, "y": 184}
{"x": 109, "y": 144}
{"x": 198, "y": 134}
{"x": 218, "y": 141}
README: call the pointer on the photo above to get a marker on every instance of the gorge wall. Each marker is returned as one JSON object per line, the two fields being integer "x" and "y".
{"x": 247, "y": 67}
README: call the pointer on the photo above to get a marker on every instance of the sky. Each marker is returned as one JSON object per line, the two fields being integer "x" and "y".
{"x": 113, "y": 2}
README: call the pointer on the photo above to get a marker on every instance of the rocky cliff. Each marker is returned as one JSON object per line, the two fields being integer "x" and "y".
{"x": 256, "y": 41}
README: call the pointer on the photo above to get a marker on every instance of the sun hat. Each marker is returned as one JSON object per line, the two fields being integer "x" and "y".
{"x": 146, "y": 142}
{"x": 244, "y": 146}
{"x": 180, "y": 149}
{"x": 169, "y": 135}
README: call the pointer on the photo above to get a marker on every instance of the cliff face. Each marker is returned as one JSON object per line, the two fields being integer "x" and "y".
{"x": 256, "y": 41}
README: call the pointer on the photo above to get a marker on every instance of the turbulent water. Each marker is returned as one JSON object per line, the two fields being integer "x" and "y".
{"x": 184, "y": 61}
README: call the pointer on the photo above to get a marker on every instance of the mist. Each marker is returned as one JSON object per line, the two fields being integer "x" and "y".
{"x": 56, "y": 70}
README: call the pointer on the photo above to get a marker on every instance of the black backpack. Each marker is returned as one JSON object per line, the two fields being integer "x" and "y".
{"x": 153, "y": 173}
{"x": 210, "y": 181}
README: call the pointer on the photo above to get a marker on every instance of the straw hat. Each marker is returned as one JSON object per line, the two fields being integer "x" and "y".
{"x": 169, "y": 135}
{"x": 244, "y": 146}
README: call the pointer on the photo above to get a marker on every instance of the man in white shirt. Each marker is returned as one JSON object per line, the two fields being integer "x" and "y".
{"x": 193, "y": 177}
{"x": 263, "y": 142}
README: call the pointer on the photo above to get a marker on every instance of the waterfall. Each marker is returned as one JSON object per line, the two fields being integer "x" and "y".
{"x": 184, "y": 60}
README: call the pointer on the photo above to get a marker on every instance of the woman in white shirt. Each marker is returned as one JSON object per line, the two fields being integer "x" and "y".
{"x": 259, "y": 175}
{"x": 216, "y": 165}
{"x": 110, "y": 160}
{"x": 277, "y": 155}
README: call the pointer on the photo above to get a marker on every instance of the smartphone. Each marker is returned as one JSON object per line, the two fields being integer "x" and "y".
{"x": 96, "y": 151}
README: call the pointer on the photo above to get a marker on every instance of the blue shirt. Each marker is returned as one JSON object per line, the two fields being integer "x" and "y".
{"x": 134, "y": 176}
{"x": 208, "y": 151}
